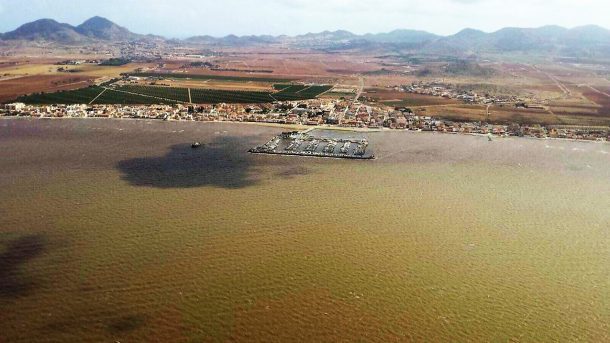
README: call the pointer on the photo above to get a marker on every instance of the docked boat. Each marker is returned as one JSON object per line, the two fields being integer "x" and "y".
{"x": 345, "y": 147}
{"x": 196, "y": 145}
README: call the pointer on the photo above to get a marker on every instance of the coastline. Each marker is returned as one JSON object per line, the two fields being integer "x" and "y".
{"x": 297, "y": 127}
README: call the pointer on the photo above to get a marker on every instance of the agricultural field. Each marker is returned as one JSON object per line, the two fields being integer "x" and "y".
{"x": 171, "y": 93}
{"x": 15, "y": 86}
{"x": 111, "y": 97}
{"x": 79, "y": 96}
{"x": 214, "y": 84}
{"x": 49, "y": 67}
{"x": 302, "y": 65}
{"x": 391, "y": 97}
{"x": 210, "y": 77}
{"x": 314, "y": 91}
{"x": 298, "y": 92}
{"x": 140, "y": 94}
{"x": 283, "y": 87}
{"x": 88, "y": 95}
{"x": 214, "y": 96}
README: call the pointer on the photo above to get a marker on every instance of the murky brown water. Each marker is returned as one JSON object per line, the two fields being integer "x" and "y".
{"x": 118, "y": 230}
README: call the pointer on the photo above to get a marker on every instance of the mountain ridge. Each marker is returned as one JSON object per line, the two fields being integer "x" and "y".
{"x": 583, "y": 40}
{"x": 95, "y": 28}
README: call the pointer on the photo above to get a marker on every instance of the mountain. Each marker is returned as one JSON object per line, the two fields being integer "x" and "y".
{"x": 584, "y": 41}
{"x": 402, "y": 37}
{"x": 547, "y": 40}
{"x": 309, "y": 39}
{"x": 587, "y": 40}
{"x": 232, "y": 40}
{"x": 104, "y": 29}
{"x": 96, "y": 28}
{"x": 47, "y": 30}
{"x": 327, "y": 36}
{"x": 323, "y": 39}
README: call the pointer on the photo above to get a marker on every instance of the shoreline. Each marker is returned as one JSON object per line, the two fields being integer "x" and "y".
{"x": 298, "y": 127}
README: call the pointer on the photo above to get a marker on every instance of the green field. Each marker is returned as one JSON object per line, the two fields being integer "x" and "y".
{"x": 170, "y": 93}
{"x": 289, "y": 87}
{"x": 79, "y": 96}
{"x": 214, "y": 96}
{"x": 145, "y": 95}
{"x": 298, "y": 92}
{"x": 110, "y": 97}
{"x": 89, "y": 94}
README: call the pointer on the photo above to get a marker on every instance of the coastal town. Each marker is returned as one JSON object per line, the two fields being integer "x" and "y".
{"x": 326, "y": 113}
{"x": 304, "y": 171}
{"x": 441, "y": 89}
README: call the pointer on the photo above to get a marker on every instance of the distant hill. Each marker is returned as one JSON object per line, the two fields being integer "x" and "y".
{"x": 325, "y": 39}
{"x": 585, "y": 41}
{"x": 401, "y": 37}
{"x": 104, "y": 29}
{"x": 96, "y": 28}
{"x": 47, "y": 30}
{"x": 589, "y": 40}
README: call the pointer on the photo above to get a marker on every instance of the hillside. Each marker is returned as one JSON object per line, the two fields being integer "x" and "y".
{"x": 555, "y": 40}
{"x": 104, "y": 29}
{"x": 45, "y": 30}
{"x": 584, "y": 41}
{"x": 49, "y": 30}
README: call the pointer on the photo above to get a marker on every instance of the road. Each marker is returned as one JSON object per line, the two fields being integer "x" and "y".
{"x": 558, "y": 83}
{"x": 99, "y": 95}
{"x": 360, "y": 90}
{"x": 597, "y": 90}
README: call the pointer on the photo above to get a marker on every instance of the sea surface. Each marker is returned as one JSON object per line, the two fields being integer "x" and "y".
{"x": 116, "y": 230}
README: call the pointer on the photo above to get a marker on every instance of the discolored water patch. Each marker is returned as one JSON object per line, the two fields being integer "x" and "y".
{"x": 217, "y": 164}
{"x": 293, "y": 171}
{"x": 126, "y": 324}
{"x": 18, "y": 252}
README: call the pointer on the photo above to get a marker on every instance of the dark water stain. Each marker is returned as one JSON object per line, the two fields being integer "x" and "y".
{"x": 115, "y": 326}
{"x": 13, "y": 282}
{"x": 223, "y": 163}
{"x": 58, "y": 326}
{"x": 126, "y": 324}
{"x": 292, "y": 172}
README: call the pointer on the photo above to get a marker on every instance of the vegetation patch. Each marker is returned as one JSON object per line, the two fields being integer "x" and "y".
{"x": 141, "y": 94}
{"x": 214, "y": 96}
{"x": 110, "y": 97}
{"x": 171, "y": 93}
{"x": 79, "y": 96}
{"x": 115, "y": 62}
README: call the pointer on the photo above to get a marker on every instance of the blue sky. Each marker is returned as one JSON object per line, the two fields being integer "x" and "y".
{"x": 183, "y": 18}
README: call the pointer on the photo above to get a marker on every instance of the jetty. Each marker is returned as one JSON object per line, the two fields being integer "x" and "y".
{"x": 295, "y": 143}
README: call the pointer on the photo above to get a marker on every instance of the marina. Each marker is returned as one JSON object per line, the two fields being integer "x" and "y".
{"x": 314, "y": 144}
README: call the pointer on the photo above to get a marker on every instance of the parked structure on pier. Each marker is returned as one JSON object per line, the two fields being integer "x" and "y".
{"x": 304, "y": 144}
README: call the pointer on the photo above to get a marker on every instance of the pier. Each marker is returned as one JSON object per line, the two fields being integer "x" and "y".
{"x": 305, "y": 144}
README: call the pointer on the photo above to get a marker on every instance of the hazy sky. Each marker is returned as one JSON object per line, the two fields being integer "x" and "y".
{"x": 182, "y": 18}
